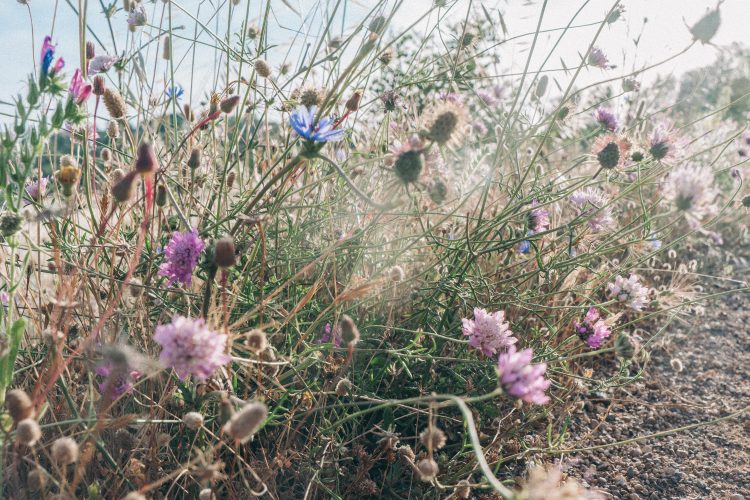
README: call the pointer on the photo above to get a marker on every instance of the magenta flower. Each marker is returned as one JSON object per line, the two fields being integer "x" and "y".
{"x": 116, "y": 381}
{"x": 4, "y": 298}
{"x": 182, "y": 254}
{"x": 37, "y": 189}
{"x": 488, "y": 332}
{"x": 331, "y": 334}
{"x": 629, "y": 291}
{"x": 538, "y": 218}
{"x": 593, "y": 329}
{"x": 520, "y": 378}
{"x": 606, "y": 118}
{"x": 191, "y": 348}
{"x": 79, "y": 90}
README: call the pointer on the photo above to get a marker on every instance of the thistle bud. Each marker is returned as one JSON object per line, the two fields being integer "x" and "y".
{"x": 90, "y": 50}
{"x": 408, "y": 166}
{"x": 193, "y": 420}
{"x": 228, "y": 104}
{"x": 224, "y": 252}
{"x": 161, "y": 195}
{"x": 246, "y": 422}
{"x": 19, "y": 405}
{"x": 353, "y": 103}
{"x": 349, "y": 331}
{"x": 10, "y": 223}
{"x": 195, "y": 157}
{"x": 122, "y": 190}
{"x": 28, "y": 432}
{"x": 64, "y": 451}
{"x": 145, "y": 159}
{"x": 262, "y": 68}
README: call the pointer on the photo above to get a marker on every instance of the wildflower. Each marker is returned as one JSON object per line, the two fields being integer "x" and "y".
{"x": 262, "y": 68}
{"x": 137, "y": 17}
{"x": 524, "y": 247}
{"x": 28, "y": 432}
{"x": 597, "y": 58}
{"x": 692, "y": 191}
{"x": 48, "y": 54}
{"x": 629, "y": 291}
{"x": 19, "y": 405}
{"x": 329, "y": 333}
{"x": 190, "y": 347}
{"x": 182, "y": 254}
{"x": 64, "y": 451}
{"x": 593, "y": 329}
{"x": 665, "y": 144}
{"x": 229, "y": 104}
{"x": 432, "y": 438}
{"x": 592, "y": 204}
{"x": 611, "y": 150}
{"x": 606, "y": 118}
{"x": 488, "y": 98}
{"x": 522, "y": 379}
{"x": 488, "y": 332}
{"x": 118, "y": 379}
{"x": 36, "y": 189}
{"x": 79, "y": 91}
{"x": 445, "y": 122}
{"x": 101, "y": 64}
{"x": 538, "y": 218}
{"x": 427, "y": 469}
{"x": 390, "y": 100}
{"x": 10, "y": 224}
{"x": 302, "y": 121}
{"x": 407, "y": 159}
{"x": 246, "y": 422}
{"x": 546, "y": 484}
{"x": 175, "y": 92}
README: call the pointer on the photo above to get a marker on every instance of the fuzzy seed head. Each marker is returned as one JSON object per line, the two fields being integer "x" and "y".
{"x": 396, "y": 273}
{"x": 10, "y": 223}
{"x": 432, "y": 438}
{"x": 113, "y": 130}
{"x": 193, "y": 420}
{"x": 349, "y": 331}
{"x": 462, "y": 489}
{"x": 408, "y": 166}
{"x": 37, "y": 479}
{"x": 262, "y": 68}
{"x": 246, "y": 422}
{"x": 195, "y": 157}
{"x": 343, "y": 387}
{"x": 427, "y": 469}
{"x": 145, "y": 159}
{"x": 352, "y": 104}
{"x": 310, "y": 97}
{"x": 106, "y": 155}
{"x": 224, "y": 252}
{"x": 114, "y": 103}
{"x": 123, "y": 190}
{"x": 28, "y": 432}
{"x": 229, "y": 104}
{"x": 443, "y": 127}
{"x": 438, "y": 191}
{"x": 256, "y": 340}
{"x": 19, "y": 405}
{"x": 64, "y": 451}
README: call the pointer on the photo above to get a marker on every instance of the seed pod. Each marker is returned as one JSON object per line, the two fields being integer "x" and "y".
{"x": 229, "y": 104}
{"x": 195, "y": 157}
{"x": 90, "y": 50}
{"x": 145, "y": 159}
{"x": 352, "y": 104}
{"x": 122, "y": 190}
{"x": 64, "y": 451}
{"x": 246, "y": 422}
{"x": 262, "y": 68}
{"x": 114, "y": 103}
{"x": 427, "y": 469}
{"x": 28, "y": 432}
{"x": 432, "y": 438}
{"x": 343, "y": 387}
{"x": 193, "y": 420}
{"x": 19, "y": 405}
{"x": 224, "y": 252}
{"x": 106, "y": 155}
{"x": 113, "y": 130}
{"x": 349, "y": 331}
{"x": 37, "y": 479}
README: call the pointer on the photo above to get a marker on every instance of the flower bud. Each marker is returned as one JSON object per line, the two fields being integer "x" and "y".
{"x": 145, "y": 159}
{"x": 353, "y": 103}
{"x": 19, "y": 405}
{"x": 195, "y": 157}
{"x": 64, "y": 451}
{"x": 161, "y": 195}
{"x": 224, "y": 252}
{"x": 122, "y": 190}
{"x": 246, "y": 422}
{"x": 28, "y": 432}
{"x": 262, "y": 68}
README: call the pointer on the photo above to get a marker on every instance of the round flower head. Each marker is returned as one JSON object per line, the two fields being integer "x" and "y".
{"x": 629, "y": 291}
{"x": 303, "y": 123}
{"x": 691, "y": 190}
{"x": 191, "y": 348}
{"x": 592, "y": 204}
{"x": 520, "y": 378}
{"x": 593, "y": 329}
{"x": 606, "y": 118}
{"x": 538, "y": 218}
{"x": 488, "y": 332}
{"x": 36, "y": 189}
{"x": 611, "y": 150}
{"x": 182, "y": 254}
{"x": 101, "y": 64}
{"x": 407, "y": 159}
{"x": 598, "y": 59}
{"x": 665, "y": 144}
{"x": 446, "y": 122}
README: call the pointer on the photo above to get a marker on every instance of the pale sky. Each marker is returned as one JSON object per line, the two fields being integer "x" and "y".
{"x": 665, "y": 33}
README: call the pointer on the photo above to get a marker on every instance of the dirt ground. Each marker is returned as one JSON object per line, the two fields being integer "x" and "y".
{"x": 698, "y": 374}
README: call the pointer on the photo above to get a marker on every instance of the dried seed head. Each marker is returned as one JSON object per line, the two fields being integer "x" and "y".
{"x": 188, "y": 111}
{"x": 68, "y": 161}
{"x": 90, "y": 50}
{"x": 252, "y": 32}
{"x": 396, "y": 273}
{"x": 427, "y": 469}
{"x": 262, "y": 68}
{"x": 349, "y": 331}
{"x": 195, "y": 157}
{"x": 64, "y": 451}
{"x": 387, "y": 56}
{"x": 442, "y": 128}
{"x": 229, "y": 104}
{"x": 145, "y": 159}
{"x": 462, "y": 489}
{"x": 193, "y": 420}
{"x": 676, "y": 364}
{"x": 246, "y": 422}
{"x": 609, "y": 156}
{"x": 256, "y": 340}
{"x": 28, "y": 432}
{"x": 19, "y": 405}
{"x": 343, "y": 387}
{"x": 310, "y": 96}
{"x": 117, "y": 175}
{"x": 230, "y": 179}
{"x": 206, "y": 494}
{"x": 432, "y": 438}
{"x": 106, "y": 155}
{"x": 114, "y": 103}
{"x": 407, "y": 454}
{"x": 113, "y": 130}
{"x": 37, "y": 479}
{"x": 224, "y": 252}
{"x": 408, "y": 166}
{"x": 123, "y": 189}
{"x": 352, "y": 104}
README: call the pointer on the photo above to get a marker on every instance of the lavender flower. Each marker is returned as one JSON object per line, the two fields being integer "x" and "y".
{"x": 629, "y": 291}
{"x": 37, "y": 189}
{"x": 4, "y": 298}
{"x": 79, "y": 91}
{"x": 137, "y": 17}
{"x": 597, "y": 58}
{"x": 488, "y": 98}
{"x": 329, "y": 333}
{"x": 182, "y": 254}
{"x": 191, "y": 348}
{"x": 593, "y": 329}
{"x": 48, "y": 54}
{"x": 488, "y": 332}
{"x": 606, "y": 118}
{"x": 692, "y": 191}
{"x": 538, "y": 218}
{"x": 100, "y": 64}
{"x": 520, "y": 378}
{"x": 302, "y": 121}
{"x": 665, "y": 144}
{"x": 593, "y": 205}
{"x": 116, "y": 381}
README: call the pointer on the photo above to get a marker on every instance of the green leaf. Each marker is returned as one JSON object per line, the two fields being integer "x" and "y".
{"x": 14, "y": 340}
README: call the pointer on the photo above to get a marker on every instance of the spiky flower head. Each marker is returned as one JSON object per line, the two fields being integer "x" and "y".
{"x": 598, "y": 58}
{"x": 114, "y": 103}
{"x": 593, "y": 329}
{"x": 593, "y": 205}
{"x": 445, "y": 122}
{"x": 101, "y": 64}
{"x": 407, "y": 160}
{"x": 611, "y": 150}
{"x": 427, "y": 469}
{"x": 538, "y": 218}
{"x": 520, "y": 378}
{"x": 691, "y": 189}
{"x": 224, "y": 252}
{"x": 28, "y": 432}
{"x": 137, "y": 17}
{"x": 629, "y": 291}
{"x": 432, "y": 438}
{"x": 192, "y": 420}
{"x": 665, "y": 144}
{"x": 304, "y": 125}
{"x": 64, "y": 451}
{"x": 488, "y": 332}
{"x": 191, "y": 348}
{"x": 606, "y": 118}
{"x": 182, "y": 254}
{"x": 262, "y": 68}
{"x": 246, "y": 422}
{"x": 10, "y": 223}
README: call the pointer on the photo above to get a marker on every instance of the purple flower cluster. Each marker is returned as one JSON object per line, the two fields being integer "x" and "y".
{"x": 191, "y": 348}
{"x": 598, "y": 58}
{"x": 488, "y": 332}
{"x": 37, "y": 189}
{"x": 593, "y": 329}
{"x": 520, "y": 378}
{"x": 593, "y": 204}
{"x": 538, "y": 218}
{"x": 629, "y": 291}
{"x": 182, "y": 254}
{"x": 116, "y": 380}
{"x": 79, "y": 91}
{"x": 606, "y": 118}
{"x": 48, "y": 55}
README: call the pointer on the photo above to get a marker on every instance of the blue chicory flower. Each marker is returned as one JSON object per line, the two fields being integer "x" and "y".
{"x": 302, "y": 121}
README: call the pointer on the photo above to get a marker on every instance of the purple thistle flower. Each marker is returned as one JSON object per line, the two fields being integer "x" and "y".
{"x": 593, "y": 329}
{"x": 520, "y": 378}
{"x": 597, "y": 58}
{"x": 182, "y": 254}
{"x": 331, "y": 333}
{"x": 538, "y": 218}
{"x": 488, "y": 332}
{"x": 100, "y": 64}
{"x": 48, "y": 54}
{"x": 629, "y": 291}
{"x": 116, "y": 381}
{"x": 303, "y": 122}
{"x": 78, "y": 90}
{"x": 137, "y": 17}
{"x": 37, "y": 189}
{"x": 606, "y": 118}
{"x": 191, "y": 348}
{"x": 665, "y": 144}
{"x": 593, "y": 205}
